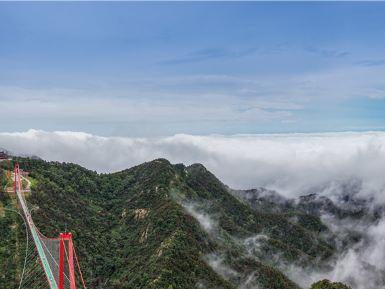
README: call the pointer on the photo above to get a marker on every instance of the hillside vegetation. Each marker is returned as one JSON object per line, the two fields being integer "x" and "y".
{"x": 326, "y": 284}
{"x": 159, "y": 225}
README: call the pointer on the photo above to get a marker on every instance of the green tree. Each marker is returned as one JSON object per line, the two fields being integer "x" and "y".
{"x": 326, "y": 284}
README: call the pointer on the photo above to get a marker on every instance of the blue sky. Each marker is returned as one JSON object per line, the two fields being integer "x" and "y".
{"x": 150, "y": 69}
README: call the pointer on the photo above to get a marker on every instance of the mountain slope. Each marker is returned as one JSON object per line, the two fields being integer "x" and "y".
{"x": 159, "y": 225}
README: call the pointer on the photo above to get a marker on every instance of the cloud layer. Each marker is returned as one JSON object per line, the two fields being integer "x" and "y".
{"x": 345, "y": 98}
{"x": 290, "y": 163}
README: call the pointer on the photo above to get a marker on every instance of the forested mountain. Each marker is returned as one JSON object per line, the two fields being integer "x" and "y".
{"x": 159, "y": 225}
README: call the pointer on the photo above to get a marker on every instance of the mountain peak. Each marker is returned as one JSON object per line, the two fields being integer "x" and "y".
{"x": 197, "y": 167}
{"x": 158, "y": 225}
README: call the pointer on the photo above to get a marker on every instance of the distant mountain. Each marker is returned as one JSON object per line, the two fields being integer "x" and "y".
{"x": 350, "y": 224}
{"x": 2, "y": 150}
{"x": 10, "y": 153}
{"x": 159, "y": 225}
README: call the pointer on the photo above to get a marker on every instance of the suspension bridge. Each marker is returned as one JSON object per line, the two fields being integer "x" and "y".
{"x": 49, "y": 263}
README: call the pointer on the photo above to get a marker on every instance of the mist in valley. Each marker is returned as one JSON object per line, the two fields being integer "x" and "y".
{"x": 346, "y": 168}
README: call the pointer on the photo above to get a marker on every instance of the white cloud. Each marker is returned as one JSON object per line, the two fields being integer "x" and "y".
{"x": 361, "y": 265}
{"x": 216, "y": 261}
{"x": 290, "y": 163}
{"x": 133, "y": 105}
{"x": 205, "y": 220}
{"x": 293, "y": 164}
{"x": 194, "y": 103}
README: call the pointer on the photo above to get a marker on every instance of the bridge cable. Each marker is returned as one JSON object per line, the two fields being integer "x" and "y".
{"x": 80, "y": 271}
{"x": 26, "y": 246}
{"x": 52, "y": 257}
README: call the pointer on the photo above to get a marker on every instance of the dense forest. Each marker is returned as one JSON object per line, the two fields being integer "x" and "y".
{"x": 159, "y": 225}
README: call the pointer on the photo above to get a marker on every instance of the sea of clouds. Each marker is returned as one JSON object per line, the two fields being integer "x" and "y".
{"x": 292, "y": 164}
{"x": 289, "y": 163}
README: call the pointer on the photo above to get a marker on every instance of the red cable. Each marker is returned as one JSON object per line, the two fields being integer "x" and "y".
{"x": 80, "y": 271}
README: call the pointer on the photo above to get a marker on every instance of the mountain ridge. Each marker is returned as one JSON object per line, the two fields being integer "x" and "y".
{"x": 159, "y": 225}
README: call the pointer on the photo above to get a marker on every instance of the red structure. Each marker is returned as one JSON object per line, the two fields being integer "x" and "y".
{"x": 65, "y": 261}
{"x": 17, "y": 185}
{"x": 66, "y": 251}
